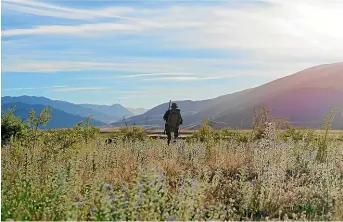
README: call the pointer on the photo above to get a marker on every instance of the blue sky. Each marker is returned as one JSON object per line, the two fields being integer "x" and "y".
{"x": 142, "y": 53}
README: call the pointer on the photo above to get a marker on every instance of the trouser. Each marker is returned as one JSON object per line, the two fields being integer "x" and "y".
{"x": 169, "y": 131}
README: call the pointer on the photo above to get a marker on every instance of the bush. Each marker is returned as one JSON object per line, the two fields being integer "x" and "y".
{"x": 340, "y": 137}
{"x": 11, "y": 126}
{"x": 62, "y": 139}
{"x": 27, "y": 133}
{"x": 298, "y": 134}
{"x": 205, "y": 133}
{"x": 261, "y": 117}
{"x": 132, "y": 133}
{"x": 323, "y": 139}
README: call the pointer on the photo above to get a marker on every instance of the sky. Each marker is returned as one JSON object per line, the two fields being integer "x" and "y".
{"x": 143, "y": 53}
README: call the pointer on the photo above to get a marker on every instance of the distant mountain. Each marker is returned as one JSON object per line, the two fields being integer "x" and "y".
{"x": 305, "y": 98}
{"x": 189, "y": 109}
{"x": 137, "y": 111}
{"x": 59, "y": 119}
{"x": 67, "y": 107}
{"x": 116, "y": 111}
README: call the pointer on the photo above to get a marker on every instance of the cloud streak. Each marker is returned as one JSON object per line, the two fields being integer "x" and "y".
{"x": 84, "y": 30}
{"x": 57, "y": 88}
{"x": 76, "y": 89}
{"x": 33, "y": 88}
{"x": 161, "y": 68}
{"x": 132, "y": 76}
{"x": 45, "y": 9}
{"x": 60, "y": 66}
{"x": 188, "y": 78}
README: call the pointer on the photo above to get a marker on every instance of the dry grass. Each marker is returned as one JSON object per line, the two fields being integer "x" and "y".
{"x": 147, "y": 180}
{"x": 109, "y": 130}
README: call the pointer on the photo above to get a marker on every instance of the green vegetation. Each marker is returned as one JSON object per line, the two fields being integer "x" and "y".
{"x": 11, "y": 126}
{"x": 215, "y": 175}
{"x": 130, "y": 134}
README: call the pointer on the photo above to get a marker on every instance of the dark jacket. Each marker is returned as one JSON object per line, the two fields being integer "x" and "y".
{"x": 165, "y": 117}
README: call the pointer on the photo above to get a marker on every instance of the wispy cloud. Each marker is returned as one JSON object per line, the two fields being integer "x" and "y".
{"x": 192, "y": 69}
{"x": 45, "y": 9}
{"x": 181, "y": 78}
{"x": 127, "y": 24}
{"x": 187, "y": 78}
{"x": 34, "y": 88}
{"x": 60, "y": 66}
{"x": 56, "y": 88}
{"x": 73, "y": 89}
{"x": 84, "y": 30}
{"x": 156, "y": 74}
{"x": 283, "y": 31}
{"x": 138, "y": 96}
{"x": 132, "y": 76}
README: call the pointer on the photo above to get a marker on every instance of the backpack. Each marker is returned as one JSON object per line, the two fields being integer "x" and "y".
{"x": 174, "y": 118}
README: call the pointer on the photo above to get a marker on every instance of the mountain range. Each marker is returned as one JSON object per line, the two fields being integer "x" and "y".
{"x": 304, "y": 98}
{"x": 66, "y": 114}
{"x": 137, "y": 111}
{"x": 114, "y": 112}
{"x": 59, "y": 119}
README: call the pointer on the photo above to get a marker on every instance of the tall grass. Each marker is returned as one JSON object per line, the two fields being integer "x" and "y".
{"x": 217, "y": 175}
{"x": 147, "y": 180}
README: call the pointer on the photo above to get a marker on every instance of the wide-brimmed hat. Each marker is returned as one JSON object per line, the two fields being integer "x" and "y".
{"x": 174, "y": 105}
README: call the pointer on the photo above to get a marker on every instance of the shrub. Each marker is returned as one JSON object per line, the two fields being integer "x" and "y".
{"x": 205, "y": 133}
{"x": 11, "y": 126}
{"x": 88, "y": 132}
{"x": 340, "y": 137}
{"x": 323, "y": 139}
{"x": 298, "y": 134}
{"x": 259, "y": 123}
{"x": 132, "y": 133}
{"x": 42, "y": 119}
{"x": 62, "y": 139}
{"x": 232, "y": 134}
{"x": 21, "y": 130}
{"x": 229, "y": 132}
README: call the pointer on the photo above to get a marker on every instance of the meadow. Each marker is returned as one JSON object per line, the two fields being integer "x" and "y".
{"x": 266, "y": 174}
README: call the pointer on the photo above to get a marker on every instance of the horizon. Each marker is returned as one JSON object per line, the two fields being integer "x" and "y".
{"x": 142, "y": 54}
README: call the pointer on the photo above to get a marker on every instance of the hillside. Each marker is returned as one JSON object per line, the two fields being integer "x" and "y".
{"x": 116, "y": 111}
{"x": 67, "y": 107}
{"x": 59, "y": 119}
{"x": 190, "y": 109}
{"x": 305, "y": 98}
{"x": 137, "y": 111}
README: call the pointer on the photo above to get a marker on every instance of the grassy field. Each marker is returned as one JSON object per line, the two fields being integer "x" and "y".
{"x": 109, "y": 130}
{"x": 73, "y": 175}
{"x": 184, "y": 133}
{"x": 227, "y": 174}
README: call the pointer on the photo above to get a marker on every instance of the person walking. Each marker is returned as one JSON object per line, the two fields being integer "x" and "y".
{"x": 173, "y": 120}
